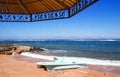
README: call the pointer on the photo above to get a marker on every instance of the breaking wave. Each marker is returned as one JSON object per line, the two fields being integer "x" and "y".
{"x": 77, "y": 59}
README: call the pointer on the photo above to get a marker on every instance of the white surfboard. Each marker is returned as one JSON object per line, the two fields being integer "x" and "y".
{"x": 61, "y": 65}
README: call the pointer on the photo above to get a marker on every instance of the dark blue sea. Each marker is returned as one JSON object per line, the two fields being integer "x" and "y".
{"x": 106, "y": 50}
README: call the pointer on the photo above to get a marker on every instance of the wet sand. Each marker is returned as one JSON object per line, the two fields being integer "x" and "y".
{"x": 106, "y": 69}
{"x": 20, "y": 66}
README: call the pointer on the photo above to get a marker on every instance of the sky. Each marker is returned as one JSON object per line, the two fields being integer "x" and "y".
{"x": 101, "y": 20}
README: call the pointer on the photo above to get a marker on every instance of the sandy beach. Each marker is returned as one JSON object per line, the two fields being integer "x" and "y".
{"x": 20, "y": 66}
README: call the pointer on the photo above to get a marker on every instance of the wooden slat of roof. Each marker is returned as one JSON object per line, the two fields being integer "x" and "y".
{"x": 44, "y": 7}
{"x": 11, "y": 6}
{"x": 34, "y": 6}
{"x": 9, "y": 1}
{"x": 29, "y": 1}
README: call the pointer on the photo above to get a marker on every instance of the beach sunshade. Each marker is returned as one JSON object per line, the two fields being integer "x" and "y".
{"x": 40, "y": 10}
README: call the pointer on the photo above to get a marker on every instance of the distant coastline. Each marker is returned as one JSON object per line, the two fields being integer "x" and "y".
{"x": 101, "y": 39}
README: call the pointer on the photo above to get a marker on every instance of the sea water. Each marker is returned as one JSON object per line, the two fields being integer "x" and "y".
{"x": 108, "y": 50}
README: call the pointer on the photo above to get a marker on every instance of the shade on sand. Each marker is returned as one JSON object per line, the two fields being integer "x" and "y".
{"x": 40, "y": 10}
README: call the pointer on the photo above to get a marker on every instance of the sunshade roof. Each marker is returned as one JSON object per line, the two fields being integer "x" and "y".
{"x": 34, "y": 6}
{"x": 28, "y": 8}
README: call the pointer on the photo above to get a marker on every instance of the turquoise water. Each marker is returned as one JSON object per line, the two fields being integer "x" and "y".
{"x": 109, "y": 50}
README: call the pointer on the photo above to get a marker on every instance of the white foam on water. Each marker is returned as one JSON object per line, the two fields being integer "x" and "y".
{"x": 100, "y": 62}
{"x": 58, "y": 51}
{"x": 74, "y": 59}
{"x": 90, "y": 61}
{"x": 34, "y": 55}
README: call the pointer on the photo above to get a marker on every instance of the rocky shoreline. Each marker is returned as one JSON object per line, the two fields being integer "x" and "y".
{"x": 10, "y": 49}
